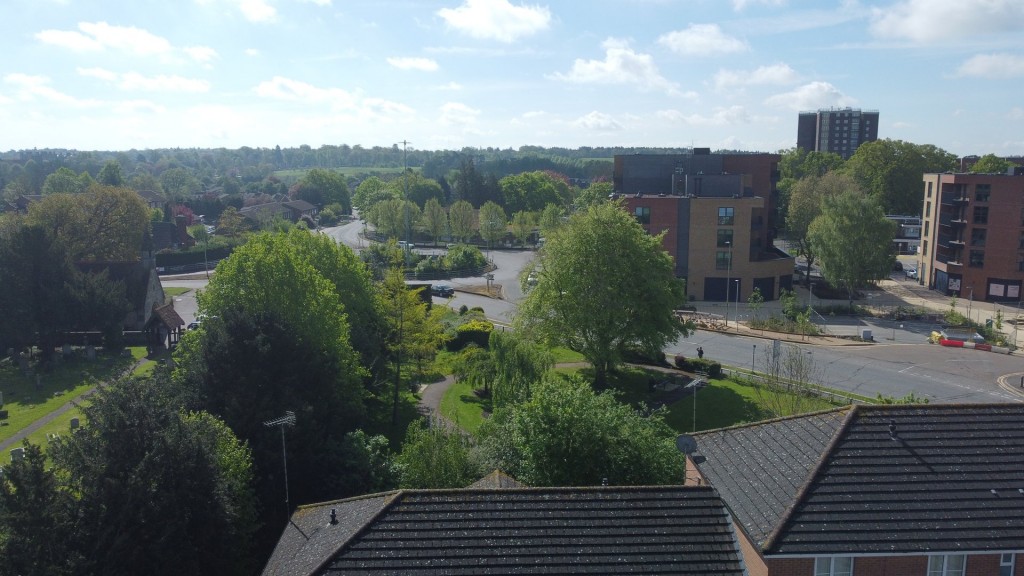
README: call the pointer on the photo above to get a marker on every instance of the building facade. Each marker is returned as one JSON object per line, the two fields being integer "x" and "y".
{"x": 839, "y": 131}
{"x": 908, "y": 234}
{"x": 972, "y": 242}
{"x": 717, "y": 213}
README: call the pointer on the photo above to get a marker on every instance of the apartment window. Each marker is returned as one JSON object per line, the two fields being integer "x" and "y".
{"x": 977, "y": 259}
{"x": 981, "y": 214}
{"x": 834, "y": 566}
{"x": 725, "y": 215}
{"x": 724, "y": 238}
{"x": 948, "y": 565}
{"x": 927, "y": 227}
{"x": 927, "y": 209}
{"x": 1021, "y": 244}
{"x": 978, "y": 236}
{"x": 723, "y": 260}
{"x": 643, "y": 214}
{"x": 1006, "y": 565}
{"x": 982, "y": 192}
{"x": 929, "y": 189}
{"x": 924, "y": 247}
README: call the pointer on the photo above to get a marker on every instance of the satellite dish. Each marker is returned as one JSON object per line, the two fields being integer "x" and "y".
{"x": 686, "y": 444}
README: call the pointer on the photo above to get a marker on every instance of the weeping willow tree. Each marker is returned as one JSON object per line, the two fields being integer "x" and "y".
{"x": 518, "y": 365}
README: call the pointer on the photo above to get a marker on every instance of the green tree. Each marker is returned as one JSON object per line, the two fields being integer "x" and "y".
{"x": 64, "y": 181}
{"x": 568, "y": 435}
{"x": 179, "y": 183}
{"x": 322, "y": 187}
{"x": 890, "y": 172}
{"x": 436, "y": 457}
{"x": 806, "y": 200}
{"x": 462, "y": 220}
{"x": 551, "y": 218}
{"x": 435, "y": 219}
{"x": 797, "y": 164}
{"x": 591, "y": 300}
{"x": 36, "y": 523}
{"x": 853, "y": 239}
{"x": 596, "y": 193}
{"x": 139, "y": 458}
{"x": 104, "y": 223}
{"x": 991, "y": 164}
{"x": 493, "y": 223}
{"x": 111, "y": 175}
{"x": 417, "y": 189}
{"x": 518, "y": 365}
{"x": 371, "y": 191}
{"x": 532, "y": 191}
{"x": 523, "y": 223}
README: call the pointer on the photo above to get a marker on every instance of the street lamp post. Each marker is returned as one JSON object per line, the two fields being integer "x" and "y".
{"x": 737, "y": 304}
{"x": 970, "y": 302}
{"x": 728, "y": 282}
{"x": 753, "y": 355}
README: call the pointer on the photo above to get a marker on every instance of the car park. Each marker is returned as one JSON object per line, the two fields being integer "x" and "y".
{"x": 442, "y": 290}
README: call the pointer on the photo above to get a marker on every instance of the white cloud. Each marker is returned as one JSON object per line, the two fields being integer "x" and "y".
{"x": 94, "y": 36}
{"x": 138, "y": 106}
{"x": 319, "y": 2}
{"x": 29, "y": 88}
{"x": 811, "y": 96}
{"x": 621, "y": 65}
{"x": 200, "y": 53}
{"x": 252, "y": 10}
{"x": 496, "y": 19}
{"x": 458, "y": 114}
{"x": 136, "y": 81}
{"x": 533, "y": 114}
{"x": 598, "y": 121}
{"x": 252, "y": 52}
{"x": 408, "y": 63}
{"x": 993, "y": 66}
{"x": 702, "y": 40}
{"x": 943, "y": 20}
{"x": 1016, "y": 113}
{"x": 451, "y": 86}
{"x": 719, "y": 117}
{"x": 739, "y": 5}
{"x": 776, "y": 74}
{"x": 281, "y": 88}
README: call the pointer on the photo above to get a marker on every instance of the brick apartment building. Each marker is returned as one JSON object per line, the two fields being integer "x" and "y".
{"x": 718, "y": 215}
{"x": 972, "y": 242}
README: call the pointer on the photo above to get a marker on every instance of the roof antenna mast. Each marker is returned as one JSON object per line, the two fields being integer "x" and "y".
{"x": 287, "y": 420}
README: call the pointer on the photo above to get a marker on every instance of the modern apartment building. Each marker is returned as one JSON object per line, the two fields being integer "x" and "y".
{"x": 717, "y": 212}
{"x": 972, "y": 243}
{"x": 908, "y": 234}
{"x": 839, "y": 131}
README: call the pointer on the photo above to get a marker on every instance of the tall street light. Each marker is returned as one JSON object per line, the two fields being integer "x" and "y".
{"x": 728, "y": 282}
{"x": 970, "y": 302}
{"x": 737, "y": 304}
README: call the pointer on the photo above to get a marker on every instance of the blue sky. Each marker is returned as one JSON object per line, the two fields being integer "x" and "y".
{"x": 123, "y": 74}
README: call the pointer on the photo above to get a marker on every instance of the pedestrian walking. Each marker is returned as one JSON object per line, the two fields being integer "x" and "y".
{"x": 700, "y": 352}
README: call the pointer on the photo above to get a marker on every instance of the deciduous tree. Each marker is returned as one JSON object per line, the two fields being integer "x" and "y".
{"x": 806, "y": 201}
{"x": 568, "y": 435}
{"x": 890, "y": 172}
{"x": 435, "y": 219}
{"x": 462, "y": 220}
{"x": 854, "y": 241}
{"x": 607, "y": 286}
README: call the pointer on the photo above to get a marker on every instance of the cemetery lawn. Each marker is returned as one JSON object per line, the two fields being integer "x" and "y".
{"x": 65, "y": 381}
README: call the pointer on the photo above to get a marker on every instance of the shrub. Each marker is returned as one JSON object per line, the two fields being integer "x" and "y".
{"x": 464, "y": 257}
{"x": 712, "y": 368}
{"x": 473, "y": 332}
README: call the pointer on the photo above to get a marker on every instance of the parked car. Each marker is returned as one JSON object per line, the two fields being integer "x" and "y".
{"x": 910, "y": 273}
{"x": 897, "y": 266}
{"x": 442, "y": 290}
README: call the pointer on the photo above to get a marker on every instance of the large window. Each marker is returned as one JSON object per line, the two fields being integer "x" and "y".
{"x": 977, "y": 259}
{"x": 982, "y": 192}
{"x": 833, "y": 566}
{"x": 1006, "y": 565}
{"x": 978, "y": 237}
{"x": 948, "y": 565}
{"x": 981, "y": 214}
{"x": 726, "y": 215}
{"x": 643, "y": 214}
{"x": 725, "y": 238}
{"x": 723, "y": 260}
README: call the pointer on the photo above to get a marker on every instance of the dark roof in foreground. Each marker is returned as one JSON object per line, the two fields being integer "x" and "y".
{"x": 601, "y": 530}
{"x": 888, "y": 479}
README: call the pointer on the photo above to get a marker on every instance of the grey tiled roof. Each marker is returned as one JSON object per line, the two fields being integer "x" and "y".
{"x": 759, "y": 468}
{"x": 950, "y": 478}
{"x": 602, "y": 530}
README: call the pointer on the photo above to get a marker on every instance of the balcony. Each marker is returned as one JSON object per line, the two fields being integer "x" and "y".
{"x": 957, "y": 243}
{"x": 958, "y": 221}
{"x": 961, "y": 200}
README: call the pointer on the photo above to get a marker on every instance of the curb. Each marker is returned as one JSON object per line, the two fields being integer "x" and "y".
{"x": 1004, "y": 383}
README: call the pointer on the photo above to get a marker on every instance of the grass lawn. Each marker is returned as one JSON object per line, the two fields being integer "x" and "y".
{"x": 565, "y": 356}
{"x": 63, "y": 382}
{"x": 462, "y": 406}
{"x": 171, "y": 292}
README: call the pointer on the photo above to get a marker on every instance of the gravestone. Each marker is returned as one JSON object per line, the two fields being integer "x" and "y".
{"x": 90, "y": 352}
{"x": 66, "y": 350}
{"x": 74, "y": 424}
{"x": 17, "y": 454}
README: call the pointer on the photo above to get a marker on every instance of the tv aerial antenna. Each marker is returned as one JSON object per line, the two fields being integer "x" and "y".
{"x": 287, "y": 420}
